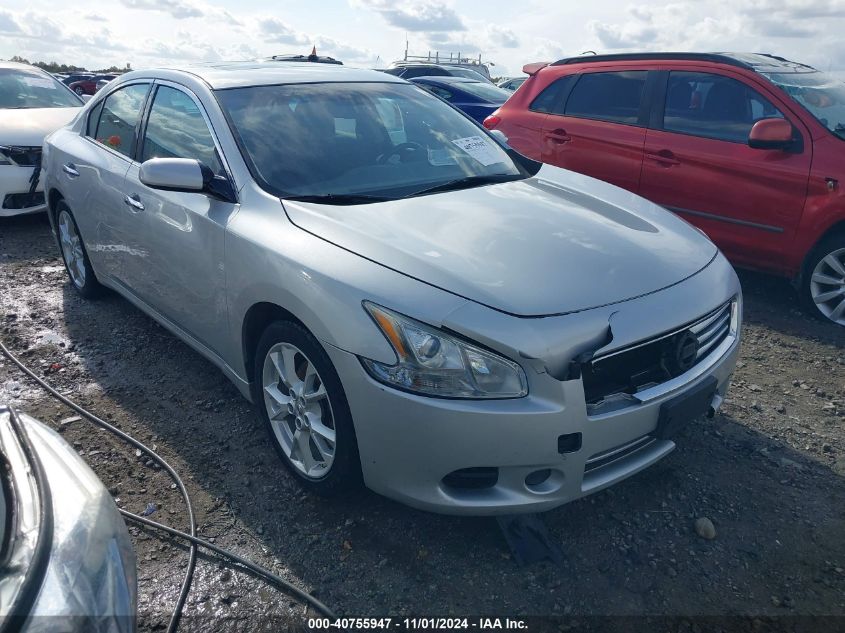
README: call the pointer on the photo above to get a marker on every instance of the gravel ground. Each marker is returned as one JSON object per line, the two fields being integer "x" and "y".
{"x": 768, "y": 472}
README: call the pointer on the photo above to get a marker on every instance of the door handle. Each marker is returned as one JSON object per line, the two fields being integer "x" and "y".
{"x": 70, "y": 170}
{"x": 558, "y": 136}
{"x": 664, "y": 157}
{"x": 134, "y": 201}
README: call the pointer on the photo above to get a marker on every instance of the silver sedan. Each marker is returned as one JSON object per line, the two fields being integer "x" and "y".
{"x": 409, "y": 303}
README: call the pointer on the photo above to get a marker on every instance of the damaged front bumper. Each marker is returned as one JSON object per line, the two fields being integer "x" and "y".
{"x": 558, "y": 443}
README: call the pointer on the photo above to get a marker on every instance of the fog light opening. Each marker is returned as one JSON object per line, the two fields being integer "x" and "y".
{"x": 544, "y": 481}
{"x": 477, "y": 478}
{"x": 537, "y": 477}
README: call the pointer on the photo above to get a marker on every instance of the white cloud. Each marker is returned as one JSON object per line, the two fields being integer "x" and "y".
{"x": 179, "y": 9}
{"x": 416, "y": 15}
{"x": 276, "y": 31}
{"x": 8, "y": 24}
{"x": 628, "y": 35}
{"x": 500, "y": 36}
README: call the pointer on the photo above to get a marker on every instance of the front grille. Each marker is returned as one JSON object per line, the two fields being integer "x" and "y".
{"x": 23, "y": 200}
{"x": 22, "y": 156}
{"x": 611, "y": 380}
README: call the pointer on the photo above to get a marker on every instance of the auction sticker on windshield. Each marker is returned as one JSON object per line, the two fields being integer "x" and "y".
{"x": 482, "y": 151}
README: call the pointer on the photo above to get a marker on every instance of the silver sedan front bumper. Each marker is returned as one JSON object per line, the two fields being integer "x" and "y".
{"x": 409, "y": 444}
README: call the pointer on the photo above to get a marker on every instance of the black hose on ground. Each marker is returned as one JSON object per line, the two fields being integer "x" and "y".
{"x": 191, "y": 537}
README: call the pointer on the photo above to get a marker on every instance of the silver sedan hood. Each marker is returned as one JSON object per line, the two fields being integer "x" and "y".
{"x": 556, "y": 243}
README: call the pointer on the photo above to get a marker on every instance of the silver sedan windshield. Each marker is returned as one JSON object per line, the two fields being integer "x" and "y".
{"x": 335, "y": 140}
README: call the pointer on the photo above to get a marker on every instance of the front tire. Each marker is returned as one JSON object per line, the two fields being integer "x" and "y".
{"x": 74, "y": 255}
{"x": 823, "y": 282}
{"x": 302, "y": 403}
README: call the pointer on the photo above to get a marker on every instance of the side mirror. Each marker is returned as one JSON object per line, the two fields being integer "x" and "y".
{"x": 186, "y": 175}
{"x": 771, "y": 134}
{"x": 174, "y": 174}
{"x": 500, "y": 137}
{"x": 85, "y": 98}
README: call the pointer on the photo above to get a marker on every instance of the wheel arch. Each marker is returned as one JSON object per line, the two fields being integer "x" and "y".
{"x": 255, "y": 321}
{"x": 53, "y": 198}
{"x": 837, "y": 228}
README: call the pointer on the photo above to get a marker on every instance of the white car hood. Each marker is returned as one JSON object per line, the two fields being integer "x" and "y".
{"x": 29, "y": 126}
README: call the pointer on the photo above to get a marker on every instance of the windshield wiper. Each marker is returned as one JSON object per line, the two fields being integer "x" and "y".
{"x": 340, "y": 198}
{"x": 466, "y": 183}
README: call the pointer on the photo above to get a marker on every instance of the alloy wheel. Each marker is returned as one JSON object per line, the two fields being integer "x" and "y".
{"x": 72, "y": 249}
{"x": 299, "y": 410}
{"x": 827, "y": 286}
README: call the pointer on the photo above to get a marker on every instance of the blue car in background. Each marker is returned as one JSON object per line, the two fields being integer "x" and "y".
{"x": 476, "y": 98}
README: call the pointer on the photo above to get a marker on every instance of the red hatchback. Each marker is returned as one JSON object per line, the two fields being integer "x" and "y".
{"x": 750, "y": 148}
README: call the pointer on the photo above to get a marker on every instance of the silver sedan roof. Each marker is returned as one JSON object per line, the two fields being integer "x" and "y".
{"x": 220, "y": 75}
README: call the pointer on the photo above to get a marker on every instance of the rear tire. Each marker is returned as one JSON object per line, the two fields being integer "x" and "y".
{"x": 74, "y": 255}
{"x": 300, "y": 398}
{"x": 823, "y": 281}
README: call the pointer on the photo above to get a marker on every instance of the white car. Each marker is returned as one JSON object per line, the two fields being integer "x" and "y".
{"x": 33, "y": 103}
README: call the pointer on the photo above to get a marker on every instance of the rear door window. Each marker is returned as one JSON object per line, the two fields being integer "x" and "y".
{"x": 119, "y": 118}
{"x": 714, "y": 106}
{"x": 552, "y": 99}
{"x": 611, "y": 96}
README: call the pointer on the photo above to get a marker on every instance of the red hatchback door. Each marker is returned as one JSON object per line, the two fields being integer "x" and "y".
{"x": 598, "y": 126}
{"x": 697, "y": 162}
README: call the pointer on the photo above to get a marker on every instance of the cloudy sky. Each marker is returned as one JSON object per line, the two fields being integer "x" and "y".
{"x": 102, "y": 33}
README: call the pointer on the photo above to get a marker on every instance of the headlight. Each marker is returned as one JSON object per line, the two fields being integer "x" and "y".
{"x": 436, "y": 364}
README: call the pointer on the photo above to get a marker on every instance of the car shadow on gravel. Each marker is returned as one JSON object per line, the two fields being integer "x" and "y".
{"x": 632, "y": 549}
{"x": 24, "y": 227}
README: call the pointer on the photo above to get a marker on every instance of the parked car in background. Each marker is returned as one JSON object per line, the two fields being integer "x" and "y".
{"x": 511, "y": 83}
{"x": 69, "y": 78}
{"x": 750, "y": 148}
{"x": 452, "y": 60}
{"x": 67, "y": 557}
{"x": 477, "y": 98}
{"x": 406, "y": 301}
{"x": 101, "y": 83}
{"x": 410, "y": 70}
{"x": 88, "y": 86}
{"x": 32, "y": 104}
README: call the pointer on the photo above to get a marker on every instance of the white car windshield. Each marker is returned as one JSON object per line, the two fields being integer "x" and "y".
{"x": 818, "y": 92}
{"x": 21, "y": 88}
{"x": 342, "y": 141}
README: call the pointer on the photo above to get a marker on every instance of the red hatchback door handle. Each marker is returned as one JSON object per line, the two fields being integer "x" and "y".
{"x": 558, "y": 136}
{"x": 664, "y": 157}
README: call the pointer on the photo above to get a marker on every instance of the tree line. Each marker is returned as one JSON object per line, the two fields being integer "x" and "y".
{"x": 55, "y": 67}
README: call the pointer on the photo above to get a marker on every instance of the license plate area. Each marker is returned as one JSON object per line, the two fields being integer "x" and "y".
{"x": 675, "y": 413}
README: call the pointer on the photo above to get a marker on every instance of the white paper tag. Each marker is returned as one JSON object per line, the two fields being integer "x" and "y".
{"x": 482, "y": 151}
{"x": 39, "y": 82}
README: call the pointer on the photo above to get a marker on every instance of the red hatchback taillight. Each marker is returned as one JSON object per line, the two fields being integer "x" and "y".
{"x": 492, "y": 121}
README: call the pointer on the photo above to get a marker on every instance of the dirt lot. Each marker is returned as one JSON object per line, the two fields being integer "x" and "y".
{"x": 769, "y": 472}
